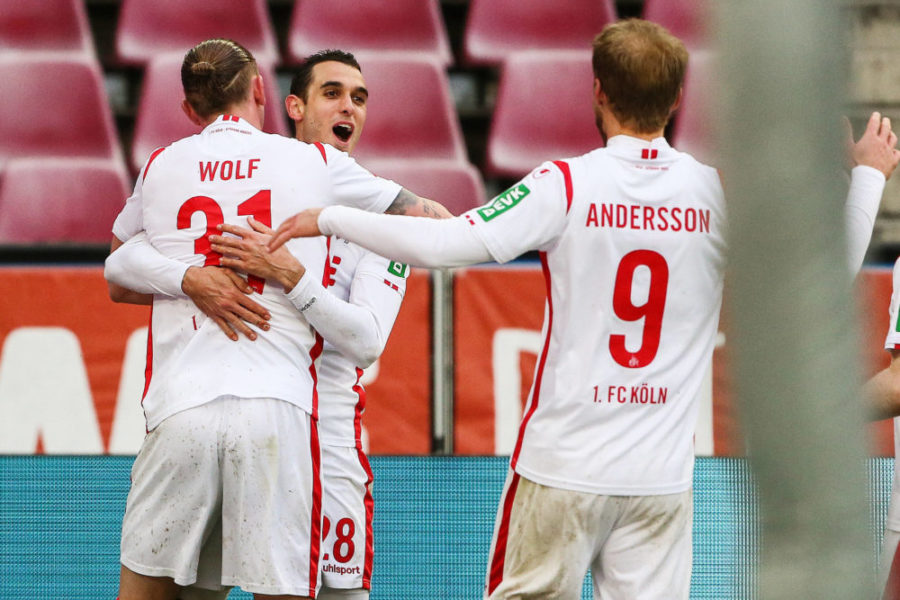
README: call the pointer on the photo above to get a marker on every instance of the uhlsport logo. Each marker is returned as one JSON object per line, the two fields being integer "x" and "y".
{"x": 398, "y": 269}
{"x": 503, "y": 202}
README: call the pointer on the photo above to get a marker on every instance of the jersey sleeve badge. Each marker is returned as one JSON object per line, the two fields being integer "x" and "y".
{"x": 503, "y": 202}
{"x": 400, "y": 270}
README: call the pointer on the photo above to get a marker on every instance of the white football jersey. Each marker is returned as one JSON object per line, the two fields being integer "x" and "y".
{"x": 366, "y": 279}
{"x": 228, "y": 172}
{"x": 632, "y": 245}
{"x": 892, "y": 342}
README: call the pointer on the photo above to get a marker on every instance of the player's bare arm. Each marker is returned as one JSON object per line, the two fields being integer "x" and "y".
{"x": 877, "y": 146}
{"x": 245, "y": 251}
{"x": 881, "y": 394}
{"x": 407, "y": 203}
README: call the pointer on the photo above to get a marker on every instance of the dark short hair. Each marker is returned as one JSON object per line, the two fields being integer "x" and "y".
{"x": 641, "y": 69}
{"x": 303, "y": 77}
{"x": 216, "y": 74}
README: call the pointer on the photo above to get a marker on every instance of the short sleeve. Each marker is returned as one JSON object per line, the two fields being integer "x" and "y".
{"x": 530, "y": 215}
{"x": 355, "y": 186}
{"x": 130, "y": 220}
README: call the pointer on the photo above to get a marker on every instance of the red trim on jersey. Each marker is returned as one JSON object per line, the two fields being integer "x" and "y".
{"x": 231, "y": 118}
{"x": 499, "y": 558}
{"x": 151, "y": 159}
{"x": 648, "y": 153}
{"x": 316, "y": 529}
{"x": 536, "y": 391}
{"x": 567, "y": 175}
{"x": 368, "y": 502}
{"x": 322, "y": 150}
{"x": 892, "y": 587}
{"x": 148, "y": 367}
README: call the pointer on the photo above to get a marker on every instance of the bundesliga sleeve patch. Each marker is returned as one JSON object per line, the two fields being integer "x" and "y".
{"x": 399, "y": 269}
{"x": 503, "y": 202}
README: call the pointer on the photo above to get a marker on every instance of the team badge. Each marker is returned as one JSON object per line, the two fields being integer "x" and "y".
{"x": 503, "y": 202}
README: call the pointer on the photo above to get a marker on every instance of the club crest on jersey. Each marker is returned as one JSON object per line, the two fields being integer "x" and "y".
{"x": 399, "y": 269}
{"x": 503, "y": 202}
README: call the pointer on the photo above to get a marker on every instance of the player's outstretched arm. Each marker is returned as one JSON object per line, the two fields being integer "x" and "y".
{"x": 877, "y": 147}
{"x": 246, "y": 250}
{"x": 881, "y": 394}
{"x": 358, "y": 329}
{"x": 135, "y": 271}
{"x": 873, "y": 159}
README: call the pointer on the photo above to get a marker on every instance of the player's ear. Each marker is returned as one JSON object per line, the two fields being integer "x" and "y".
{"x": 677, "y": 100}
{"x": 259, "y": 90}
{"x": 191, "y": 113}
{"x": 295, "y": 107}
{"x": 599, "y": 94}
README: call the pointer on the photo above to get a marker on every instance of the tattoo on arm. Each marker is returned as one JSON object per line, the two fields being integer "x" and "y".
{"x": 402, "y": 203}
{"x": 407, "y": 203}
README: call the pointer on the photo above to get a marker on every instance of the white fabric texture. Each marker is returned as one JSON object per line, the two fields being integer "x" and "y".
{"x": 138, "y": 266}
{"x": 863, "y": 199}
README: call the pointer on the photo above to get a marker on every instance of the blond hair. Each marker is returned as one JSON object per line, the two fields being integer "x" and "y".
{"x": 641, "y": 69}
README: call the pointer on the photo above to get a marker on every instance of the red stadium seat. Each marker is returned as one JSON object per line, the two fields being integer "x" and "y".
{"x": 59, "y": 200}
{"x": 458, "y": 186}
{"x": 410, "y": 112}
{"x": 54, "y": 105}
{"x": 544, "y": 111}
{"x": 160, "y": 120}
{"x": 46, "y": 25}
{"x": 688, "y": 20}
{"x": 364, "y": 28}
{"x": 149, "y": 27}
{"x": 496, "y": 28}
{"x": 694, "y": 127}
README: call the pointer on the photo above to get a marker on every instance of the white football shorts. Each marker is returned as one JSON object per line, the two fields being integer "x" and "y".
{"x": 252, "y": 464}
{"x": 546, "y": 538}
{"x": 347, "y": 543}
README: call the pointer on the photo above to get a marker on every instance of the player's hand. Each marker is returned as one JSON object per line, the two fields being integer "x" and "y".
{"x": 303, "y": 224}
{"x": 223, "y": 296}
{"x": 246, "y": 251}
{"x": 877, "y": 146}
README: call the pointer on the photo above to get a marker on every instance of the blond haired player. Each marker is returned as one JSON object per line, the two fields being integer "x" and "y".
{"x": 230, "y": 430}
{"x": 327, "y": 104}
{"x": 632, "y": 243}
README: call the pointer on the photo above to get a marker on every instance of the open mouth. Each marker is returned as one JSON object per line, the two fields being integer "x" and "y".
{"x": 343, "y": 131}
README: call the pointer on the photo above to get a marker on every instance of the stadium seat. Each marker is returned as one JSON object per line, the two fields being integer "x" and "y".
{"x": 60, "y": 200}
{"x": 147, "y": 28}
{"x": 686, "y": 19}
{"x": 54, "y": 105}
{"x": 544, "y": 111}
{"x": 458, "y": 186}
{"x": 365, "y": 28}
{"x": 496, "y": 28}
{"x": 160, "y": 120}
{"x": 47, "y": 25}
{"x": 694, "y": 128}
{"x": 410, "y": 112}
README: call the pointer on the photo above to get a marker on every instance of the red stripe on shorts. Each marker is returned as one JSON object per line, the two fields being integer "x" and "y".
{"x": 499, "y": 558}
{"x": 536, "y": 391}
{"x": 892, "y": 587}
{"x": 316, "y": 529}
{"x": 368, "y": 502}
